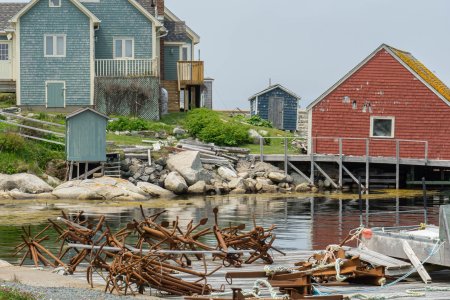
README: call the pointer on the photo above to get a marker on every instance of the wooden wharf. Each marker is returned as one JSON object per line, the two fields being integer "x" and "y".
{"x": 341, "y": 158}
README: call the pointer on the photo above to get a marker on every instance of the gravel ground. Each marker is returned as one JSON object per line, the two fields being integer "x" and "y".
{"x": 45, "y": 293}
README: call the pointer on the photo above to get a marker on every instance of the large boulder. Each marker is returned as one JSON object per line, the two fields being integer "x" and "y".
{"x": 175, "y": 182}
{"x": 277, "y": 177}
{"x": 236, "y": 183}
{"x": 298, "y": 179}
{"x": 254, "y": 136}
{"x": 104, "y": 188}
{"x": 187, "y": 164}
{"x": 155, "y": 190}
{"x": 25, "y": 183}
{"x": 226, "y": 173}
{"x": 303, "y": 187}
{"x": 197, "y": 188}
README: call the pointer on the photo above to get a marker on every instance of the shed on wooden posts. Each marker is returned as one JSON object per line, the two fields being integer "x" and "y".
{"x": 85, "y": 139}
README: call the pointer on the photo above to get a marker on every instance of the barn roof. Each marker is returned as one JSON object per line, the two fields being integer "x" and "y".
{"x": 81, "y": 110}
{"x": 412, "y": 64}
{"x": 272, "y": 87}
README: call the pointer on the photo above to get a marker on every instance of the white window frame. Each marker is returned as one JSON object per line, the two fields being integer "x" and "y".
{"x": 189, "y": 54}
{"x": 46, "y": 92}
{"x": 50, "y": 4}
{"x": 123, "y": 38}
{"x": 55, "y": 46}
{"x": 373, "y": 118}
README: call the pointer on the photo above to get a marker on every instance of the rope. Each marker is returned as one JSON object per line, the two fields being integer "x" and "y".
{"x": 273, "y": 270}
{"x": 337, "y": 266}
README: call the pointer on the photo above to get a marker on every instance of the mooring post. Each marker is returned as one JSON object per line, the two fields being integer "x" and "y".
{"x": 360, "y": 202}
{"x": 425, "y": 206}
{"x": 311, "y": 153}
{"x": 285, "y": 156}
{"x": 397, "y": 165}
{"x": 340, "y": 164}
{"x": 261, "y": 149}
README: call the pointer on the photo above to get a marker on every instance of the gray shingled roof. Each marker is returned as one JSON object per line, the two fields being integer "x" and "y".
{"x": 8, "y": 10}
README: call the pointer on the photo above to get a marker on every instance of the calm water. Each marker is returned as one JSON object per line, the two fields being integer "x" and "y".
{"x": 302, "y": 223}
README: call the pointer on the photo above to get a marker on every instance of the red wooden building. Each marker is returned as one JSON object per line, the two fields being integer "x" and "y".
{"x": 388, "y": 104}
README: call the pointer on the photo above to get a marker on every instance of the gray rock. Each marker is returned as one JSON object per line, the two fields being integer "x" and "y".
{"x": 175, "y": 182}
{"x": 4, "y": 264}
{"x": 263, "y": 180}
{"x": 277, "y": 177}
{"x": 250, "y": 185}
{"x": 298, "y": 179}
{"x": 302, "y": 187}
{"x": 25, "y": 183}
{"x": 267, "y": 188}
{"x": 155, "y": 190}
{"x": 243, "y": 175}
{"x": 236, "y": 183}
{"x": 106, "y": 188}
{"x": 197, "y": 188}
{"x": 238, "y": 191}
{"x": 289, "y": 179}
{"x": 226, "y": 173}
{"x": 149, "y": 170}
{"x": 259, "y": 174}
{"x": 52, "y": 181}
{"x": 254, "y": 136}
{"x": 320, "y": 183}
{"x": 179, "y": 131}
{"x": 187, "y": 164}
{"x": 144, "y": 178}
{"x": 327, "y": 183}
{"x": 159, "y": 168}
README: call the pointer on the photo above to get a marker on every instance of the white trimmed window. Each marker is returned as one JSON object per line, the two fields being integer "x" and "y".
{"x": 54, "y": 3}
{"x": 55, "y": 45}
{"x": 185, "y": 53}
{"x": 123, "y": 48}
{"x": 382, "y": 127}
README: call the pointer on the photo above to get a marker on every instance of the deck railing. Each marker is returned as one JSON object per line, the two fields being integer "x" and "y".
{"x": 125, "y": 67}
{"x": 190, "y": 72}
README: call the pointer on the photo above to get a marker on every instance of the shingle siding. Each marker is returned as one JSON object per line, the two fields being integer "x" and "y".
{"x": 289, "y": 107}
{"x": 119, "y": 18}
{"x": 171, "y": 56}
{"x": 74, "y": 69}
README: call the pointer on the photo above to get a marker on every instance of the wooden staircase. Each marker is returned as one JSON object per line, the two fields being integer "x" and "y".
{"x": 112, "y": 166}
{"x": 174, "y": 94}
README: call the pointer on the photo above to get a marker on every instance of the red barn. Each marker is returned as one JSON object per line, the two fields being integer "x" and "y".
{"x": 390, "y": 101}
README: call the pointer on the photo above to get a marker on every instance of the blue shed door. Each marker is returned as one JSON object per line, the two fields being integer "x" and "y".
{"x": 55, "y": 94}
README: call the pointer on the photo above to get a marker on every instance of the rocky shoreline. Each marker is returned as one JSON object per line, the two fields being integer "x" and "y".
{"x": 179, "y": 174}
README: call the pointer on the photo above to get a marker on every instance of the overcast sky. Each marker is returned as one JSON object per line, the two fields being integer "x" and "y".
{"x": 308, "y": 45}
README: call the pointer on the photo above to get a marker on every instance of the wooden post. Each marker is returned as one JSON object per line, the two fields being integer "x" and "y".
{"x": 70, "y": 170}
{"x": 367, "y": 165}
{"x": 78, "y": 169}
{"x": 86, "y": 169}
{"x": 340, "y": 164}
{"x": 149, "y": 157}
{"x": 397, "y": 164}
{"x": 103, "y": 169}
{"x": 360, "y": 202}
{"x": 311, "y": 153}
{"x": 425, "y": 206}
{"x": 285, "y": 156}
{"x": 261, "y": 149}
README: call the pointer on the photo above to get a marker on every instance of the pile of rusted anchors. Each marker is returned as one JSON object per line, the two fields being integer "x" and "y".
{"x": 162, "y": 252}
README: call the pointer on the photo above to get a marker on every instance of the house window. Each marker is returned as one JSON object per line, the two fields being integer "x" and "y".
{"x": 123, "y": 48}
{"x": 55, "y": 45}
{"x": 185, "y": 53}
{"x": 4, "y": 52}
{"x": 382, "y": 127}
{"x": 54, "y": 3}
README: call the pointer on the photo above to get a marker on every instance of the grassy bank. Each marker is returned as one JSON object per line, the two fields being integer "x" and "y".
{"x": 10, "y": 294}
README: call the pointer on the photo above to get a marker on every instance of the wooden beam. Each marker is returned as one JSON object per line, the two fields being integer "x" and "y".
{"x": 367, "y": 165}
{"x": 285, "y": 156}
{"x": 326, "y": 175}
{"x": 31, "y": 119}
{"x": 340, "y": 163}
{"x": 88, "y": 173}
{"x": 41, "y": 139}
{"x": 300, "y": 172}
{"x": 397, "y": 165}
{"x": 33, "y": 128}
{"x": 352, "y": 176}
{"x": 416, "y": 262}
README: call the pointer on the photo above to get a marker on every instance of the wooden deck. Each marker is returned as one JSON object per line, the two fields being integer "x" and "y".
{"x": 440, "y": 279}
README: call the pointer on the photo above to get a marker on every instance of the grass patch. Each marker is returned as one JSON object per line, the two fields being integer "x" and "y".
{"x": 19, "y": 155}
{"x": 11, "y": 294}
{"x": 7, "y": 100}
{"x": 126, "y": 139}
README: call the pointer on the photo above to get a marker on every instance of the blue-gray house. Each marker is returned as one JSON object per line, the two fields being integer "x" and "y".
{"x": 66, "y": 54}
{"x": 278, "y": 105}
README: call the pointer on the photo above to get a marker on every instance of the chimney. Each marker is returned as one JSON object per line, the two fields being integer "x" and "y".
{"x": 160, "y": 7}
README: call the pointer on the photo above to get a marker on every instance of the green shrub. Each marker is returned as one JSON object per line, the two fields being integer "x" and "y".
{"x": 130, "y": 124}
{"x": 11, "y": 142}
{"x": 200, "y": 118}
{"x": 8, "y": 99}
{"x": 258, "y": 121}
{"x": 210, "y": 128}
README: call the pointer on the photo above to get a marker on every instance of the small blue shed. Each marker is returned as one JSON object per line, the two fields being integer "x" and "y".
{"x": 86, "y": 136}
{"x": 278, "y": 105}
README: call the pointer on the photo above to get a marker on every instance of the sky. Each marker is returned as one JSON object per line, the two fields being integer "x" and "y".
{"x": 307, "y": 45}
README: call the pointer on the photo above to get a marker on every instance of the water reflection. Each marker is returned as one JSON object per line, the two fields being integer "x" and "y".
{"x": 304, "y": 223}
